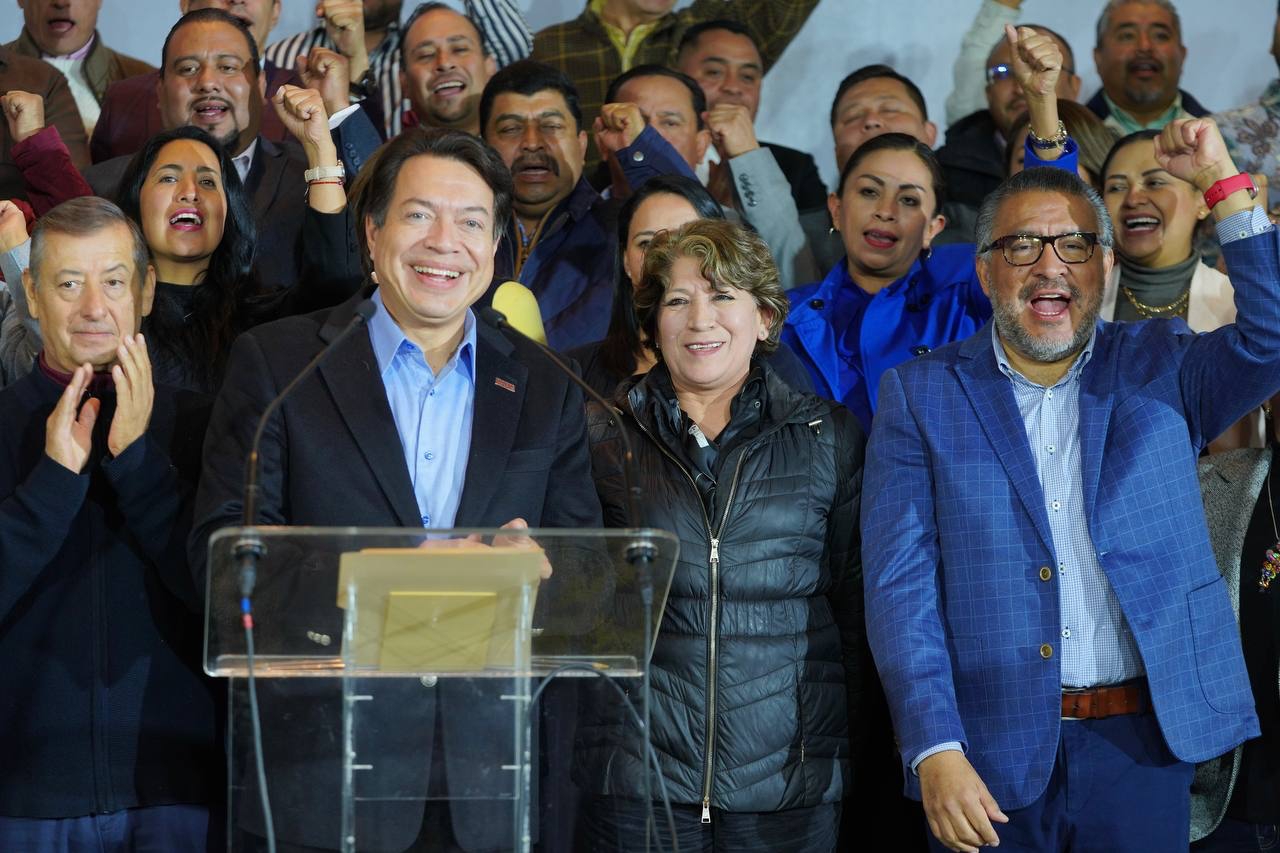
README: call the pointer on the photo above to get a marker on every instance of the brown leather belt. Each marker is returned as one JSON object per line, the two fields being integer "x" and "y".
{"x": 1132, "y": 697}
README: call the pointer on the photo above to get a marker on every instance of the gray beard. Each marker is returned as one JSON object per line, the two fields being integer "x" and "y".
{"x": 1015, "y": 335}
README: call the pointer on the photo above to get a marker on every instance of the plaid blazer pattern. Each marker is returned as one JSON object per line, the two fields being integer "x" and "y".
{"x": 581, "y": 48}
{"x": 964, "y": 630}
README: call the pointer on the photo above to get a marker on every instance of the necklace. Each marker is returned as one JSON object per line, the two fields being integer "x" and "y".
{"x": 1149, "y": 312}
{"x": 1271, "y": 565}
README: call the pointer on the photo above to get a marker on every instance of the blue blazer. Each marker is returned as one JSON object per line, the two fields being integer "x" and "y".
{"x": 964, "y": 630}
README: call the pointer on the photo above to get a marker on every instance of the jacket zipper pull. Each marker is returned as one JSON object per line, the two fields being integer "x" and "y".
{"x": 706, "y": 811}
{"x": 715, "y": 551}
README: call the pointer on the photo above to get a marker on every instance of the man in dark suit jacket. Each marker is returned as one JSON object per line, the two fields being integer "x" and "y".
{"x": 131, "y": 111}
{"x": 199, "y": 88}
{"x": 431, "y": 210}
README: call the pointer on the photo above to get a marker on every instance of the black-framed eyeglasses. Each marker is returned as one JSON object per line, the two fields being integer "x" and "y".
{"x": 1001, "y": 71}
{"x": 1022, "y": 250}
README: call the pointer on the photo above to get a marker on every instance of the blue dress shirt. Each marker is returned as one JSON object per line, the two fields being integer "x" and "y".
{"x": 432, "y": 413}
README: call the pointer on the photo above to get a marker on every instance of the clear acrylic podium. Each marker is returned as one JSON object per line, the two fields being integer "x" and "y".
{"x": 395, "y": 669}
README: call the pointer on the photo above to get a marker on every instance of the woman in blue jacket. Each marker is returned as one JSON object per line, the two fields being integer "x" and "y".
{"x": 895, "y": 295}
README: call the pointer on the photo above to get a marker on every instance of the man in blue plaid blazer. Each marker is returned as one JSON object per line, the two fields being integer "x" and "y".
{"x": 1054, "y": 638}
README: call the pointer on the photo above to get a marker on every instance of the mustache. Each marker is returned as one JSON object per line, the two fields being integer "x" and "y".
{"x": 1028, "y": 290}
{"x": 536, "y": 161}
{"x": 1144, "y": 59}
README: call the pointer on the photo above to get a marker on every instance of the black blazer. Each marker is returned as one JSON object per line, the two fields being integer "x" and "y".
{"x": 332, "y": 457}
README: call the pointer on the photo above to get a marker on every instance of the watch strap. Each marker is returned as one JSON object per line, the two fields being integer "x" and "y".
{"x": 1225, "y": 187}
{"x": 322, "y": 173}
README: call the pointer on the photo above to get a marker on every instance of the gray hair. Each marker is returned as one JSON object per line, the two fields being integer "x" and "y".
{"x": 1040, "y": 179}
{"x": 1104, "y": 20}
{"x": 84, "y": 217}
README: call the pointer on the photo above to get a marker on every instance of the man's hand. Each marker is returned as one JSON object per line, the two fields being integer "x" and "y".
{"x": 732, "y": 130}
{"x": 344, "y": 24}
{"x": 303, "y": 114}
{"x": 13, "y": 226}
{"x": 23, "y": 112}
{"x": 326, "y": 72}
{"x": 503, "y": 540}
{"x": 1036, "y": 62}
{"x": 957, "y": 803}
{"x": 135, "y": 394}
{"x": 1192, "y": 149}
{"x": 617, "y": 127}
{"x": 68, "y": 432}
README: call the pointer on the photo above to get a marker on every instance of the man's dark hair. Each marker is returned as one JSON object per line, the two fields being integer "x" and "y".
{"x": 211, "y": 16}
{"x": 691, "y": 35}
{"x": 696, "y": 95}
{"x": 898, "y": 142}
{"x": 528, "y": 78}
{"x": 375, "y": 186}
{"x": 873, "y": 72}
{"x": 84, "y": 217}
{"x": 1039, "y": 179}
{"x": 433, "y": 6}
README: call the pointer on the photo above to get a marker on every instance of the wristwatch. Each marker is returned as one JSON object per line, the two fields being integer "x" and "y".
{"x": 1225, "y": 187}
{"x": 325, "y": 173}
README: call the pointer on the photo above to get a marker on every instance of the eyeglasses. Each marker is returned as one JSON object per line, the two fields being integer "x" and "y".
{"x": 996, "y": 73}
{"x": 1022, "y": 250}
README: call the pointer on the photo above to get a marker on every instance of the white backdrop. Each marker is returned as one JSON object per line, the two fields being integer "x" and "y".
{"x": 1227, "y": 64}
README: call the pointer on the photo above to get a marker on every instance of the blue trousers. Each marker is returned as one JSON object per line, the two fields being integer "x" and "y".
{"x": 152, "y": 829}
{"x": 617, "y": 825}
{"x": 1115, "y": 788}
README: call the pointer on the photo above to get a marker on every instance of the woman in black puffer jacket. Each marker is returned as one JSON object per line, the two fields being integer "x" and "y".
{"x": 761, "y": 656}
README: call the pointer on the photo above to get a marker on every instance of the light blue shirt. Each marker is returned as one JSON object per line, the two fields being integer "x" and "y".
{"x": 432, "y": 413}
{"x": 1097, "y": 646}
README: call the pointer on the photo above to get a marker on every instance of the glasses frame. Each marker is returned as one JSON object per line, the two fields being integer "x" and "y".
{"x": 1090, "y": 237}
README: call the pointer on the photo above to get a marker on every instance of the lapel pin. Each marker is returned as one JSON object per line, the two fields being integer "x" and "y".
{"x": 504, "y": 384}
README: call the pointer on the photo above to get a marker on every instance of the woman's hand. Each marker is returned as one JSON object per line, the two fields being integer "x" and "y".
{"x": 1037, "y": 64}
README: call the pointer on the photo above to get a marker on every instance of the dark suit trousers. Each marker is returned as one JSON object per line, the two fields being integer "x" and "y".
{"x": 1115, "y": 788}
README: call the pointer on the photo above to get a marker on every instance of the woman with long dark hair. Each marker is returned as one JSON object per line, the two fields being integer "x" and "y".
{"x": 183, "y": 190}
{"x": 661, "y": 204}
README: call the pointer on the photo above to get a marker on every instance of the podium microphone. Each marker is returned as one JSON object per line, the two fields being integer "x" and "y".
{"x": 249, "y": 547}
{"x": 516, "y": 308}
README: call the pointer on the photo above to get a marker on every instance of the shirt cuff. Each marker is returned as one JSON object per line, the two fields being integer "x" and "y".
{"x": 341, "y": 115}
{"x": 1243, "y": 225}
{"x": 934, "y": 750}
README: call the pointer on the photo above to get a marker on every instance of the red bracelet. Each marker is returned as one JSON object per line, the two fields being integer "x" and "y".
{"x": 323, "y": 181}
{"x": 1225, "y": 187}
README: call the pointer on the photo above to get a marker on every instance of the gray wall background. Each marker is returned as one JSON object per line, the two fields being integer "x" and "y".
{"x": 1228, "y": 63}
